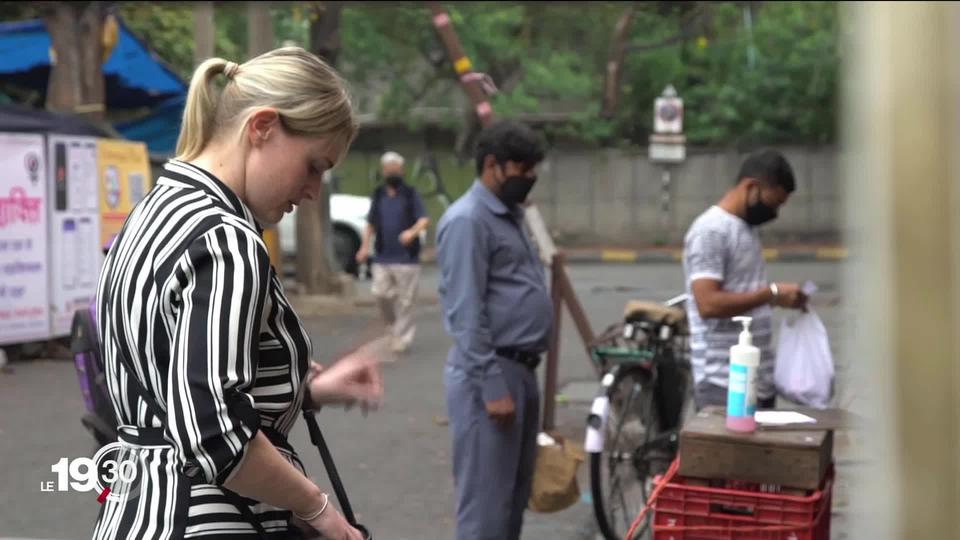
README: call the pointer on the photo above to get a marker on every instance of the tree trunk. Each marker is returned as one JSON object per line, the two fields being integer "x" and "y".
{"x": 259, "y": 41}
{"x": 317, "y": 270}
{"x": 611, "y": 81}
{"x": 203, "y": 32}
{"x": 76, "y": 82}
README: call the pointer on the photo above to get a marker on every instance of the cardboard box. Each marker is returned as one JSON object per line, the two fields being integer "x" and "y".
{"x": 790, "y": 459}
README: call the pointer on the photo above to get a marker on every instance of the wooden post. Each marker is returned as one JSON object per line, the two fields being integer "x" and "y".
{"x": 470, "y": 80}
{"x": 576, "y": 310}
{"x": 561, "y": 292}
{"x": 553, "y": 353}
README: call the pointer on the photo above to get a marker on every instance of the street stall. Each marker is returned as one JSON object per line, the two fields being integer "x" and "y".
{"x": 65, "y": 188}
{"x": 657, "y": 472}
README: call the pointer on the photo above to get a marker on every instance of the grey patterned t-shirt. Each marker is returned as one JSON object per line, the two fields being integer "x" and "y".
{"x": 723, "y": 247}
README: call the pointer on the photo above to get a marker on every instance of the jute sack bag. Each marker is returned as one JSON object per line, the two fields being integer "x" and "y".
{"x": 555, "y": 476}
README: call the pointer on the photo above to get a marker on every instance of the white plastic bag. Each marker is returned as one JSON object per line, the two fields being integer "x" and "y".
{"x": 804, "y": 368}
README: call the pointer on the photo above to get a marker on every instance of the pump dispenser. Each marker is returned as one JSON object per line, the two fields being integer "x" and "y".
{"x": 742, "y": 385}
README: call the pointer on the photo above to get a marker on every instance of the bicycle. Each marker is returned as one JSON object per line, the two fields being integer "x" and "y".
{"x": 634, "y": 424}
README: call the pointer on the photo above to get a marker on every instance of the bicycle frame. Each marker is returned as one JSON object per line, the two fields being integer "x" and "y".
{"x": 640, "y": 350}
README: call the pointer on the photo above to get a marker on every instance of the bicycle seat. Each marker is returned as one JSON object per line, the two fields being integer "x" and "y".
{"x": 642, "y": 310}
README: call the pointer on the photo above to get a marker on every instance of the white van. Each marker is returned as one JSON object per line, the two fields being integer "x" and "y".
{"x": 348, "y": 216}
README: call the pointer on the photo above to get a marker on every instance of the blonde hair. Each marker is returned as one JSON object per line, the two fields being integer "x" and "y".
{"x": 310, "y": 97}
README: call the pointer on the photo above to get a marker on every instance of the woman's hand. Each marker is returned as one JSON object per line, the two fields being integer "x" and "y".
{"x": 330, "y": 524}
{"x": 354, "y": 378}
{"x": 333, "y": 526}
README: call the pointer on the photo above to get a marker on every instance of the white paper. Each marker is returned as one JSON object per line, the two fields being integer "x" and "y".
{"x": 782, "y": 418}
{"x": 545, "y": 440}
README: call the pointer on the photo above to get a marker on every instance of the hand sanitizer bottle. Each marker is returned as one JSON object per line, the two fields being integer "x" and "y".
{"x": 742, "y": 386}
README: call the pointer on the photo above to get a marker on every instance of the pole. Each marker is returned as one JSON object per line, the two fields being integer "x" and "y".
{"x": 469, "y": 80}
{"x": 553, "y": 353}
{"x": 665, "y": 203}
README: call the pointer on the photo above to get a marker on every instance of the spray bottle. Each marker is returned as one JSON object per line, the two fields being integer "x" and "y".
{"x": 742, "y": 386}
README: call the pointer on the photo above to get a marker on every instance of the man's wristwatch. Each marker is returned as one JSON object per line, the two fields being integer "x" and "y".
{"x": 776, "y": 293}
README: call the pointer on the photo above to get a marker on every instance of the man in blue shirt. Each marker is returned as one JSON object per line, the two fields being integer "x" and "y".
{"x": 396, "y": 219}
{"x": 498, "y": 311}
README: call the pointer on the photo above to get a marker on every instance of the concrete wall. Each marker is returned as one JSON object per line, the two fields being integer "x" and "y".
{"x": 615, "y": 197}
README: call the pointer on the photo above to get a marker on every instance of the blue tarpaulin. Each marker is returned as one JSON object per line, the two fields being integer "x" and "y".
{"x": 134, "y": 75}
{"x": 158, "y": 130}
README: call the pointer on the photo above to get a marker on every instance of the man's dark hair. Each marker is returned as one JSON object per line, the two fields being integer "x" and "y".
{"x": 770, "y": 167}
{"x": 509, "y": 141}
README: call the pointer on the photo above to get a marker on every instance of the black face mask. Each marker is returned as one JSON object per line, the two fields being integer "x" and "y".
{"x": 394, "y": 180}
{"x": 759, "y": 213}
{"x": 516, "y": 188}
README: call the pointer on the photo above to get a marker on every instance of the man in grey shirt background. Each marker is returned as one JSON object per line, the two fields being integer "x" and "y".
{"x": 726, "y": 277}
{"x": 497, "y": 310}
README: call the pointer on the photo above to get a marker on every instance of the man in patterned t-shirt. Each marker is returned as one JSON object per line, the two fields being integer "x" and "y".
{"x": 726, "y": 277}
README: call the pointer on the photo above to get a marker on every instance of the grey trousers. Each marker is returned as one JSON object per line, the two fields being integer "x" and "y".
{"x": 492, "y": 466}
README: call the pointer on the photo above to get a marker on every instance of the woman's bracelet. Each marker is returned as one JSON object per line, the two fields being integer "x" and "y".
{"x": 326, "y": 499}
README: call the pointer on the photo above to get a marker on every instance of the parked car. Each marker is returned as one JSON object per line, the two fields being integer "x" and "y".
{"x": 348, "y": 215}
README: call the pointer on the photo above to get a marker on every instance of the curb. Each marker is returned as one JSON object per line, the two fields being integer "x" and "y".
{"x": 820, "y": 254}
{"x": 323, "y": 305}
{"x": 675, "y": 255}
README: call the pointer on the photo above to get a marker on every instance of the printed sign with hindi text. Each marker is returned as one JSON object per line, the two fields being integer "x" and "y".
{"x": 24, "y": 298}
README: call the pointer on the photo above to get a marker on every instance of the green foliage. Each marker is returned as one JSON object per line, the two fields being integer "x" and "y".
{"x": 772, "y": 80}
{"x": 786, "y": 93}
{"x": 168, "y": 29}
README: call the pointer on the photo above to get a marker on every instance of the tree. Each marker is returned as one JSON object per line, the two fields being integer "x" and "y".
{"x": 316, "y": 269}
{"x": 770, "y": 77}
{"x": 77, "y": 40}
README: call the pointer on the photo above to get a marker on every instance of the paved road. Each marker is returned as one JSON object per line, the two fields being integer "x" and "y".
{"x": 395, "y": 462}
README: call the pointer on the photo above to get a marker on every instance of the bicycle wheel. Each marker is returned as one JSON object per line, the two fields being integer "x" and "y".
{"x": 620, "y": 476}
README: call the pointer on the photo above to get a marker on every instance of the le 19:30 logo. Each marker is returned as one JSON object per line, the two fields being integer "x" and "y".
{"x": 106, "y": 474}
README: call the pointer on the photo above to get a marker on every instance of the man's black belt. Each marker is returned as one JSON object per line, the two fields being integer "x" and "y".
{"x": 527, "y": 358}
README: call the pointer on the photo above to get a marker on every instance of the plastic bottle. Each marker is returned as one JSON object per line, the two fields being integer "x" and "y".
{"x": 742, "y": 385}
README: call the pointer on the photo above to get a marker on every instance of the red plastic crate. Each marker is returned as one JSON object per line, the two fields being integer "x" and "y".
{"x": 685, "y": 512}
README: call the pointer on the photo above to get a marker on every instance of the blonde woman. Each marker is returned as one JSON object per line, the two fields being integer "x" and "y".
{"x": 208, "y": 364}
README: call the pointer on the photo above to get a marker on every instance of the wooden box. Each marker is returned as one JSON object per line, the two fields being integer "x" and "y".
{"x": 791, "y": 459}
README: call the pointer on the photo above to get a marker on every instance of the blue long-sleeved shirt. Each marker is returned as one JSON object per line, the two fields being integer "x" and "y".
{"x": 492, "y": 286}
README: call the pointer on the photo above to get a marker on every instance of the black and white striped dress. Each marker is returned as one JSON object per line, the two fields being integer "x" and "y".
{"x": 188, "y": 295}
